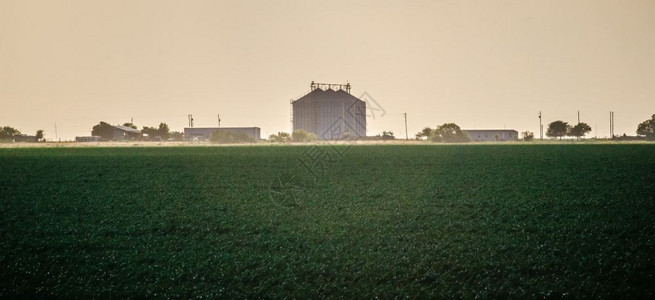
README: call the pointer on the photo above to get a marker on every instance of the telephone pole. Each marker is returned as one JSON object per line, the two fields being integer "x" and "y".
{"x": 406, "y": 135}
{"x": 219, "y": 120}
{"x": 611, "y": 125}
{"x": 541, "y": 128}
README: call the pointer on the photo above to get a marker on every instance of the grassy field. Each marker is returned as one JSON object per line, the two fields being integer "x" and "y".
{"x": 320, "y": 221}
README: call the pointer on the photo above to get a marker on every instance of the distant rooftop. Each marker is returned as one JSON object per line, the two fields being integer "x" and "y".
{"x": 127, "y": 129}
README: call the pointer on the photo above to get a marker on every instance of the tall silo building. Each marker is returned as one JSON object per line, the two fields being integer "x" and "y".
{"x": 331, "y": 112}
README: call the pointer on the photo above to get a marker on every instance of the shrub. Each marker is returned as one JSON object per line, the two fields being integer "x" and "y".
{"x": 301, "y": 135}
{"x": 280, "y": 137}
{"x": 226, "y": 137}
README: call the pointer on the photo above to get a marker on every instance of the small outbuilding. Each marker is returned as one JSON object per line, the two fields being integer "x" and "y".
{"x": 492, "y": 135}
{"x": 86, "y": 139}
{"x": 24, "y": 138}
{"x": 203, "y": 133}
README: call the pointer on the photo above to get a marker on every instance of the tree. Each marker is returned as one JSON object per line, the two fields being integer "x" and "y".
{"x": 280, "y": 137}
{"x": 151, "y": 132}
{"x": 163, "y": 131}
{"x": 129, "y": 125}
{"x": 301, "y": 135}
{"x": 39, "y": 134}
{"x": 103, "y": 130}
{"x": 8, "y": 133}
{"x": 177, "y": 136}
{"x": 527, "y": 135}
{"x": 427, "y": 132}
{"x": 557, "y": 129}
{"x": 647, "y": 128}
{"x": 579, "y": 130}
{"x": 387, "y": 135}
{"x": 449, "y": 133}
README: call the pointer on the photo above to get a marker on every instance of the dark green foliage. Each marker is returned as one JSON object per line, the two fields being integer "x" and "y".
{"x": 579, "y": 130}
{"x": 131, "y": 125}
{"x": 387, "y": 135}
{"x": 163, "y": 131}
{"x": 8, "y": 132}
{"x": 301, "y": 135}
{"x": 226, "y": 137}
{"x": 424, "y": 221}
{"x": 449, "y": 133}
{"x": 647, "y": 128}
{"x": 39, "y": 134}
{"x": 150, "y": 132}
{"x": 177, "y": 136}
{"x": 103, "y": 130}
{"x": 557, "y": 129}
{"x": 280, "y": 137}
{"x": 427, "y": 132}
{"x": 157, "y": 133}
{"x": 527, "y": 135}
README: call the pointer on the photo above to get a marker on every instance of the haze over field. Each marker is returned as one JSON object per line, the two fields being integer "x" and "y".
{"x": 481, "y": 65}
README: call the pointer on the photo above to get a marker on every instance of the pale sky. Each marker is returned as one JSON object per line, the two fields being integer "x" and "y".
{"x": 480, "y": 64}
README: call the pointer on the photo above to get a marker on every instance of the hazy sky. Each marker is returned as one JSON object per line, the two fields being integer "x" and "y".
{"x": 480, "y": 64}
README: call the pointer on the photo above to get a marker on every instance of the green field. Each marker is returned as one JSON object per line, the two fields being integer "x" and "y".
{"x": 388, "y": 221}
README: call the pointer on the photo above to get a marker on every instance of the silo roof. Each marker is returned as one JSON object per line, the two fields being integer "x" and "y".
{"x": 329, "y": 94}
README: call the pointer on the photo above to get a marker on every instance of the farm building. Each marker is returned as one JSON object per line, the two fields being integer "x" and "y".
{"x": 492, "y": 135}
{"x": 84, "y": 139}
{"x": 121, "y": 132}
{"x": 330, "y": 111}
{"x": 24, "y": 138}
{"x": 203, "y": 133}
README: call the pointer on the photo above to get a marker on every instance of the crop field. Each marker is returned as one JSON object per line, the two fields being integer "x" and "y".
{"x": 329, "y": 221}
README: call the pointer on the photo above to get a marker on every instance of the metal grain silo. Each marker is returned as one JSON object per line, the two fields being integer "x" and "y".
{"x": 331, "y": 112}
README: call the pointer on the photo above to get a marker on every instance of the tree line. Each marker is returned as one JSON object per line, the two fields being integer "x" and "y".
{"x": 559, "y": 129}
{"x": 10, "y": 133}
{"x": 447, "y": 132}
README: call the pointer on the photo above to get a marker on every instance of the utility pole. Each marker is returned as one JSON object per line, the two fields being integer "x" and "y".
{"x": 541, "y": 128}
{"x": 219, "y": 120}
{"x": 611, "y": 125}
{"x": 190, "y": 121}
{"x": 406, "y": 135}
{"x": 56, "y": 135}
{"x": 578, "y": 117}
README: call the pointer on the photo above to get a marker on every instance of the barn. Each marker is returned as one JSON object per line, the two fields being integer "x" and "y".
{"x": 330, "y": 112}
{"x": 120, "y": 133}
